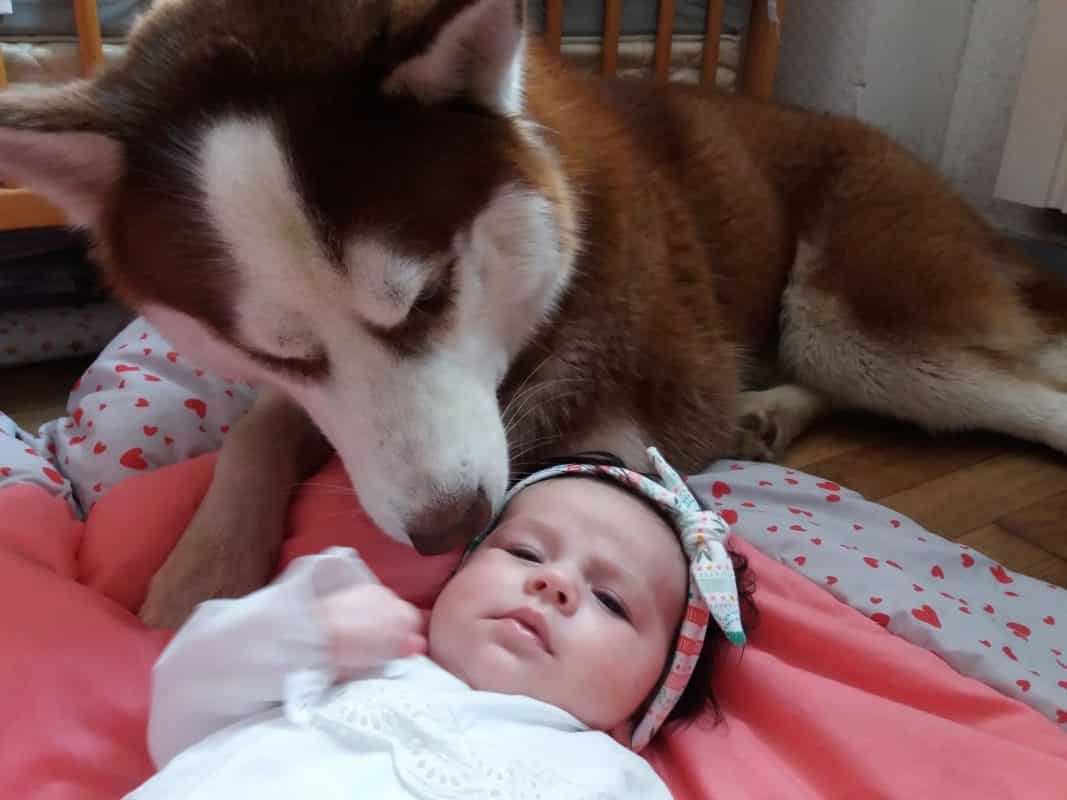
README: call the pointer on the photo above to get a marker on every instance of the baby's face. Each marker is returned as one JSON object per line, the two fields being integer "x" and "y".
{"x": 574, "y": 600}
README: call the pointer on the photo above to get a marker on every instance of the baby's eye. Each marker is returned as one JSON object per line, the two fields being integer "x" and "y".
{"x": 525, "y": 553}
{"x": 612, "y": 604}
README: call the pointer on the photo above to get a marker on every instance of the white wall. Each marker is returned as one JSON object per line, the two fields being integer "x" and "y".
{"x": 985, "y": 95}
{"x": 1034, "y": 168}
{"x": 939, "y": 75}
{"x": 914, "y": 51}
{"x": 822, "y": 59}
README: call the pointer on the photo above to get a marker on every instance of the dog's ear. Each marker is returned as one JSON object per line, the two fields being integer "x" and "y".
{"x": 476, "y": 55}
{"x": 57, "y": 142}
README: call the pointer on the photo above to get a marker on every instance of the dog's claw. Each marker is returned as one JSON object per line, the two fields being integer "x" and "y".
{"x": 757, "y": 437}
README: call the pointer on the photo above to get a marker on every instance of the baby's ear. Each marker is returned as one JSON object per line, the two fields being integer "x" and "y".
{"x": 623, "y": 733}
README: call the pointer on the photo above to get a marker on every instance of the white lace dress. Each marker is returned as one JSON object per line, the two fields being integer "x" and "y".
{"x": 243, "y": 705}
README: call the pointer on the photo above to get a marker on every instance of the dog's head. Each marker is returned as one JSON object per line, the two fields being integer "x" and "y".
{"x": 340, "y": 198}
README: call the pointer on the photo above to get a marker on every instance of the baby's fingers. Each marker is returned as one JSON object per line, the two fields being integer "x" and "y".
{"x": 414, "y": 645}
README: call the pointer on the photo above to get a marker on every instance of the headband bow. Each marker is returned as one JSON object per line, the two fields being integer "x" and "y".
{"x": 712, "y": 584}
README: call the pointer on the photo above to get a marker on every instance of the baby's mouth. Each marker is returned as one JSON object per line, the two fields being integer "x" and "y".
{"x": 529, "y": 623}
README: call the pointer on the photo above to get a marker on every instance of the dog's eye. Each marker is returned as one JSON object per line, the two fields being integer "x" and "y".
{"x": 315, "y": 367}
{"x": 436, "y": 294}
{"x": 410, "y": 337}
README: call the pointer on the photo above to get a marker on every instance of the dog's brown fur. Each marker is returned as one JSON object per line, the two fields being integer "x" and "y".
{"x": 742, "y": 269}
{"x": 695, "y": 205}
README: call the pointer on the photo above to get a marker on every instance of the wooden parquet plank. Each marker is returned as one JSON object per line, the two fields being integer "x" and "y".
{"x": 971, "y": 498}
{"x": 1052, "y": 569}
{"x": 1043, "y": 524}
{"x": 838, "y": 435}
{"x": 894, "y": 464}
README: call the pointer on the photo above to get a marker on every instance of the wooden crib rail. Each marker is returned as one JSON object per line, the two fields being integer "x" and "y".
{"x": 664, "y": 35}
{"x": 710, "y": 63}
{"x": 90, "y": 39}
{"x": 758, "y": 64}
{"x": 22, "y": 209}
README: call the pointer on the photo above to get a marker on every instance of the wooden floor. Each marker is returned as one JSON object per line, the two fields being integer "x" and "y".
{"x": 1004, "y": 498}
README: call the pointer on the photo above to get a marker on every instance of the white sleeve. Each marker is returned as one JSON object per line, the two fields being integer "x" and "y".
{"x": 230, "y": 659}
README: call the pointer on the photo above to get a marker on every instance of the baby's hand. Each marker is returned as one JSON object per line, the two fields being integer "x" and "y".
{"x": 370, "y": 624}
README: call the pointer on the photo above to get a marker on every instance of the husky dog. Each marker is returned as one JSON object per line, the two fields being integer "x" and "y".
{"x": 447, "y": 252}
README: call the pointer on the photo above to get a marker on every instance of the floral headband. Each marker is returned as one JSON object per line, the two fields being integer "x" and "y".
{"x": 712, "y": 584}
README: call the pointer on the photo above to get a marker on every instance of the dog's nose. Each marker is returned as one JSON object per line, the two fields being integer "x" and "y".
{"x": 450, "y": 524}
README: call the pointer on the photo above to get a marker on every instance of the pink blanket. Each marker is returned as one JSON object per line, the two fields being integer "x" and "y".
{"x": 822, "y": 703}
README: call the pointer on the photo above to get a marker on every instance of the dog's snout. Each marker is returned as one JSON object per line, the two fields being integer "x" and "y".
{"x": 451, "y": 523}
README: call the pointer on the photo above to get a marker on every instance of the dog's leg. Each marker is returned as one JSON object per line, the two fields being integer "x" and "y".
{"x": 992, "y": 356}
{"x": 1051, "y": 362}
{"x": 771, "y": 419}
{"x": 231, "y": 545}
{"x": 958, "y": 391}
{"x": 1009, "y": 404}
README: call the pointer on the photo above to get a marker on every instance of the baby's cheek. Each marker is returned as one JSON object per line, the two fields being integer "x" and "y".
{"x": 628, "y": 668}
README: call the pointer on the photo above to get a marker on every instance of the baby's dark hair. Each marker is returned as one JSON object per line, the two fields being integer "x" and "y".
{"x": 698, "y": 695}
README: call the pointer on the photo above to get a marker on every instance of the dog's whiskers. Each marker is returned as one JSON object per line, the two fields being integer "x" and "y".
{"x": 533, "y": 444}
{"x": 526, "y": 380}
{"x": 533, "y": 409}
{"x": 530, "y": 394}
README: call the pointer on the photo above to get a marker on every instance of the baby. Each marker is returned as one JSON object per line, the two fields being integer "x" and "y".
{"x": 566, "y": 638}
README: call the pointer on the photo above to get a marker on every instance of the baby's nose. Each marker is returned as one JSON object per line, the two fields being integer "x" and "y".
{"x": 555, "y": 589}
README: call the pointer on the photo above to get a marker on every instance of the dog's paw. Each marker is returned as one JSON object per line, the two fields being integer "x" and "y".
{"x": 758, "y": 437}
{"x": 770, "y": 420}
